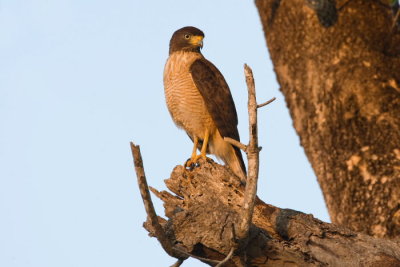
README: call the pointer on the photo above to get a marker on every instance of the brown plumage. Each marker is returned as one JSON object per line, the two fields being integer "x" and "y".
{"x": 200, "y": 101}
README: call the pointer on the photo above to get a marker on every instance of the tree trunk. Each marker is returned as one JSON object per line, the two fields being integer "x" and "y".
{"x": 204, "y": 213}
{"x": 340, "y": 76}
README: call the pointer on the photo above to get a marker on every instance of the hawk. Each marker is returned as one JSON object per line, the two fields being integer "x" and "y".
{"x": 199, "y": 100}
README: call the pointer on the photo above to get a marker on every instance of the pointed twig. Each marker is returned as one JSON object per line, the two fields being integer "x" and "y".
{"x": 266, "y": 103}
{"x": 236, "y": 143}
{"x": 178, "y": 263}
{"x": 194, "y": 256}
{"x": 148, "y": 204}
{"x": 227, "y": 258}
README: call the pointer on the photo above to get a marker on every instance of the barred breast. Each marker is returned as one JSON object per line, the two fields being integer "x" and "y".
{"x": 184, "y": 101}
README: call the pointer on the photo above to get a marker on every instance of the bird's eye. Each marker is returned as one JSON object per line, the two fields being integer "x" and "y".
{"x": 187, "y": 36}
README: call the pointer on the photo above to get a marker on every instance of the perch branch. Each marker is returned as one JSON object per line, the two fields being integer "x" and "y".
{"x": 246, "y": 213}
{"x": 148, "y": 204}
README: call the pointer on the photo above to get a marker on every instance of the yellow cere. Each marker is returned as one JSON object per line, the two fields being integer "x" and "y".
{"x": 196, "y": 40}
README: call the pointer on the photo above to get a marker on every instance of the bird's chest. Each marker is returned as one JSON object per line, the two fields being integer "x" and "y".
{"x": 184, "y": 101}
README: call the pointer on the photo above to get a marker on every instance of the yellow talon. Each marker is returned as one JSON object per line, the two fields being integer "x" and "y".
{"x": 200, "y": 156}
{"x": 203, "y": 153}
{"x": 193, "y": 158}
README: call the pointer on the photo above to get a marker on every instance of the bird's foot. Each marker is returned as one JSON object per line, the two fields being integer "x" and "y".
{"x": 196, "y": 160}
{"x": 190, "y": 164}
{"x": 199, "y": 157}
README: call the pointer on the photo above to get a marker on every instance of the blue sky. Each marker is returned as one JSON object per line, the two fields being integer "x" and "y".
{"x": 78, "y": 81}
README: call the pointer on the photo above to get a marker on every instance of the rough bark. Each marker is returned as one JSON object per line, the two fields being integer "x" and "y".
{"x": 204, "y": 209}
{"x": 342, "y": 87}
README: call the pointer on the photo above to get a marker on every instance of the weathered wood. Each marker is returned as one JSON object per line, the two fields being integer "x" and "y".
{"x": 205, "y": 205}
{"x": 253, "y": 155}
{"x": 341, "y": 82}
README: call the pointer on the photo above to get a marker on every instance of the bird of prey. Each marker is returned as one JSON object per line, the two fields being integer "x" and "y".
{"x": 200, "y": 102}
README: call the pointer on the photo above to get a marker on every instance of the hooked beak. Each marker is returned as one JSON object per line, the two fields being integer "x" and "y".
{"x": 197, "y": 40}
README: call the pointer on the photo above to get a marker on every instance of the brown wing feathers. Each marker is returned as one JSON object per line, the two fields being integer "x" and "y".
{"x": 218, "y": 99}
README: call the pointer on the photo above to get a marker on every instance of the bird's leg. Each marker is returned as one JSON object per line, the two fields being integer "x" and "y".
{"x": 193, "y": 158}
{"x": 195, "y": 142}
{"x": 203, "y": 152}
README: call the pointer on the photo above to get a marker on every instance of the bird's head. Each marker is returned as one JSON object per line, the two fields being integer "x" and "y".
{"x": 188, "y": 39}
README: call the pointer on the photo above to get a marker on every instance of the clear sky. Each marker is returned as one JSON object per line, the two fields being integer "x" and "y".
{"x": 79, "y": 79}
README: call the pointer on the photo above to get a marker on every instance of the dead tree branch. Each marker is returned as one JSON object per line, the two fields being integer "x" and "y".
{"x": 149, "y": 207}
{"x": 206, "y": 201}
{"x": 252, "y": 152}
